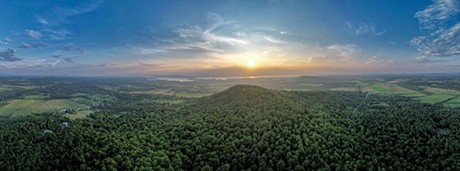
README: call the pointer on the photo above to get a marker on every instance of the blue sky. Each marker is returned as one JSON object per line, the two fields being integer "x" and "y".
{"x": 217, "y": 38}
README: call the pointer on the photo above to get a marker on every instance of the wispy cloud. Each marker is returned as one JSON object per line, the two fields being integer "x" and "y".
{"x": 69, "y": 59}
{"x": 439, "y": 11}
{"x": 22, "y": 65}
{"x": 33, "y": 34}
{"x": 67, "y": 12}
{"x": 5, "y": 41}
{"x": 60, "y": 15}
{"x": 218, "y": 40}
{"x": 72, "y": 46}
{"x": 377, "y": 60}
{"x": 368, "y": 29}
{"x": 58, "y": 34}
{"x": 197, "y": 38}
{"x": 42, "y": 20}
{"x": 55, "y": 56}
{"x": 33, "y": 45}
{"x": 425, "y": 59}
{"x": 9, "y": 55}
{"x": 55, "y": 63}
{"x": 440, "y": 22}
{"x": 345, "y": 51}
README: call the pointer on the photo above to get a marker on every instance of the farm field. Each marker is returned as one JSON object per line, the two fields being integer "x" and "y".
{"x": 24, "y": 107}
{"x": 390, "y": 88}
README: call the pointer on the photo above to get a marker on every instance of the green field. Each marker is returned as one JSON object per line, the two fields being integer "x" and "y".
{"x": 344, "y": 89}
{"x": 456, "y": 100}
{"x": 442, "y": 91}
{"x": 197, "y": 94}
{"x": 430, "y": 95}
{"x": 388, "y": 88}
{"x": 155, "y": 91}
{"x": 24, "y": 107}
{"x": 80, "y": 114}
{"x": 453, "y": 103}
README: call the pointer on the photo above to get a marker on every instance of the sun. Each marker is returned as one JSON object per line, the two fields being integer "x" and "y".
{"x": 251, "y": 63}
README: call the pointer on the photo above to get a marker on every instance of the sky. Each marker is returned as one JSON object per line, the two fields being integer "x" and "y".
{"x": 218, "y": 38}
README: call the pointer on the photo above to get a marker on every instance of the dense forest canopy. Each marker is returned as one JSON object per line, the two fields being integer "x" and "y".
{"x": 245, "y": 127}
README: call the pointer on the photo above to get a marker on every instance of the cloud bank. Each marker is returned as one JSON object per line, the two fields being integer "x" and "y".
{"x": 9, "y": 55}
{"x": 440, "y": 23}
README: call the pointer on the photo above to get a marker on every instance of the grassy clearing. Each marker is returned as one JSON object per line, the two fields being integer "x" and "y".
{"x": 344, "y": 89}
{"x": 435, "y": 98}
{"x": 80, "y": 114}
{"x": 456, "y": 100}
{"x": 442, "y": 91}
{"x": 185, "y": 94}
{"x": 380, "y": 88}
{"x": 388, "y": 88}
{"x": 24, "y": 107}
{"x": 155, "y": 91}
{"x": 455, "y": 103}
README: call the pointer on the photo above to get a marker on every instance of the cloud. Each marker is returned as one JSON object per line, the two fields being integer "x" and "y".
{"x": 439, "y": 11}
{"x": 344, "y": 51}
{"x": 33, "y": 34}
{"x": 55, "y": 56}
{"x": 27, "y": 64}
{"x": 71, "y": 47}
{"x": 33, "y": 45}
{"x": 80, "y": 50}
{"x": 442, "y": 30}
{"x": 5, "y": 41}
{"x": 25, "y": 45}
{"x": 59, "y": 15}
{"x": 198, "y": 38}
{"x": 150, "y": 65}
{"x": 9, "y": 55}
{"x": 42, "y": 21}
{"x": 57, "y": 34}
{"x": 425, "y": 59}
{"x": 55, "y": 63}
{"x": 67, "y": 12}
{"x": 319, "y": 59}
{"x": 368, "y": 29}
{"x": 376, "y": 60}
{"x": 69, "y": 59}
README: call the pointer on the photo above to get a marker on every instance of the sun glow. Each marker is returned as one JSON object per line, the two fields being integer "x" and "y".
{"x": 251, "y": 63}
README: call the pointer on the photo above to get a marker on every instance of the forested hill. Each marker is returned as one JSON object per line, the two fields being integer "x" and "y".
{"x": 243, "y": 128}
{"x": 244, "y": 98}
